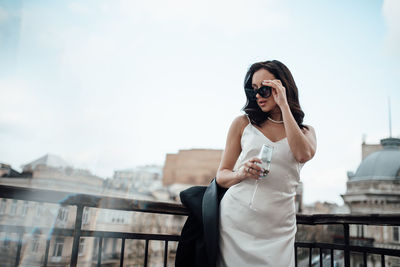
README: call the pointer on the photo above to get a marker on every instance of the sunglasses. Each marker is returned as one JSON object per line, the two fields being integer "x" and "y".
{"x": 263, "y": 91}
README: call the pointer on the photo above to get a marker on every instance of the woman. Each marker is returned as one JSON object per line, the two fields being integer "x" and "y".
{"x": 264, "y": 234}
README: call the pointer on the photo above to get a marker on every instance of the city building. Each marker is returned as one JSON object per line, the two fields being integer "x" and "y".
{"x": 375, "y": 188}
{"x": 7, "y": 171}
{"x": 48, "y": 172}
{"x": 53, "y": 173}
{"x": 143, "y": 180}
{"x": 191, "y": 167}
{"x": 325, "y": 208}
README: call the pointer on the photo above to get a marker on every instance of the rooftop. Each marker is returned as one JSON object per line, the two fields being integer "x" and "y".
{"x": 380, "y": 165}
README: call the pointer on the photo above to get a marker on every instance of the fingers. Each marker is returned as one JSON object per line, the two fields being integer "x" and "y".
{"x": 255, "y": 159}
{"x": 252, "y": 164}
{"x": 276, "y": 84}
{"x": 252, "y": 169}
{"x": 278, "y": 90}
{"x": 250, "y": 173}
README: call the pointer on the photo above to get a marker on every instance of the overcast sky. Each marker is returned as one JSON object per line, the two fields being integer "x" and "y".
{"x": 116, "y": 84}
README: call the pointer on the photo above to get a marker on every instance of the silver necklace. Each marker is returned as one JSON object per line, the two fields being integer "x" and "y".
{"x": 274, "y": 120}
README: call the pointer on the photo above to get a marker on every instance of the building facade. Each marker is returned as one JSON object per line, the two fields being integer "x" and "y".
{"x": 52, "y": 173}
{"x": 375, "y": 188}
{"x": 192, "y": 167}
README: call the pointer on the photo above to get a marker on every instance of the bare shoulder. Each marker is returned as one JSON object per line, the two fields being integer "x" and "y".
{"x": 239, "y": 123}
{"x": 241, "y": 120}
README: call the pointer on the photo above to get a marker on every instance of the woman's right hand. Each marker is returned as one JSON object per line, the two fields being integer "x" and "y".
{"x": 250, "y": 169}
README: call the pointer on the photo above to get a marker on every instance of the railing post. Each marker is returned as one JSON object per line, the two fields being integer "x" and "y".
{"x": 46, "y": 254}
{"x": 320, "y": 257}
{"x": 346, "y": 232}
{"x": 99, "y": 251}
{"x": 146, "y": 252}
{"x": 165, "y": 253}
{"x": 77, "y": 235}
{"x": 365, "y": 259}
{"x": 21, "y": 235}
{"x": 121, "y": 260}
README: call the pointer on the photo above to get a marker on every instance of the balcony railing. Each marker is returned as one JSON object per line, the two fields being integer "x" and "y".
{"x": 349, "y": 244}
{"x": 103, "y": 202}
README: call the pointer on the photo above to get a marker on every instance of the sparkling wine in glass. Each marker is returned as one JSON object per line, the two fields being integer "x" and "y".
{"x": 265, "y": 156}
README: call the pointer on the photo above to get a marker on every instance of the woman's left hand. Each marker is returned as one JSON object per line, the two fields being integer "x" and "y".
{"x": 278, "y": 91}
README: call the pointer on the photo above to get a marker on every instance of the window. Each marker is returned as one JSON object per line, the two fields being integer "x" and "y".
{"x": 3, "y": 206}
{"x": 6, "y": 241}
{"x": 81, "y": 246}
{"x": 14, "y": 206}
{"x": 35, "y": 245}
{"x": 118, "y": 217}
{"x": 58, "y": 247}
{"x": 396, "y": 262}
{"x": 24, "y": 208}
{"x": 396, "y": 233}
{"x": 114, "y": 246}
{"x": 95, "y": 247}
{"x": 360, "y": 230}
{"x": 105, "y": 243}
{"x": 62, "y": 214}
{"x": 85, "y": 215}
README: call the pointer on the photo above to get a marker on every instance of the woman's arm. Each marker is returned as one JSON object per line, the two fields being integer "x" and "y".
{"x": 302, "y": 142}
{"x": 225, "y": 176}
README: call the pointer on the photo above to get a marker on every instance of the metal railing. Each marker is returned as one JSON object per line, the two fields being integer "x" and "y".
{"x": 347, "y": 247}
{"x": 91, "y": 201}
{"x": 103, "y": 202}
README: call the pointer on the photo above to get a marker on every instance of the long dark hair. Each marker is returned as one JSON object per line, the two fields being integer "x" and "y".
{"x": 282, "y": 73}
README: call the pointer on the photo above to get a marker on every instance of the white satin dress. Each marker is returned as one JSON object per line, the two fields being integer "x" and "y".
{"x": 264, "y": 237}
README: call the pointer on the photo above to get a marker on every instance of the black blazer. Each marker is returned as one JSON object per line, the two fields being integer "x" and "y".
{"x": 199, "y": 242}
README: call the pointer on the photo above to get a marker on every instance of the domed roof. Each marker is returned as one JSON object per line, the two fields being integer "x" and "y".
{"x": 381, "y": 165}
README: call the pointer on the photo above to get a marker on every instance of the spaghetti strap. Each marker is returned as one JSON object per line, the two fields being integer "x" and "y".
{"x": 248, "y": 118}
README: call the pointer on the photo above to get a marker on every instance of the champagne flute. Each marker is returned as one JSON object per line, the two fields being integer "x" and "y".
{"x": 265, "y": 156}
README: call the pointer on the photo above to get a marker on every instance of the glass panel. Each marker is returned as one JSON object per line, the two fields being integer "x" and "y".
{"x": 396, "y": 233}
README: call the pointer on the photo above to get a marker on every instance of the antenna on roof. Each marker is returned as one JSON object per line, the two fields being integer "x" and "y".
{"x": 390, "y": 119}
